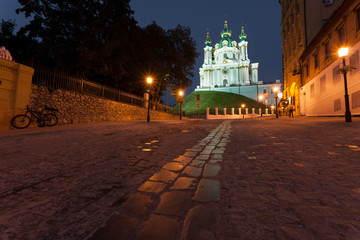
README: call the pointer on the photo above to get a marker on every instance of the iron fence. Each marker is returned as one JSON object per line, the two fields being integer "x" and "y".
{"x": 58, "y": 80}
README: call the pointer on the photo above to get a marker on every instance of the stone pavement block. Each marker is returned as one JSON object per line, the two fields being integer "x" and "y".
{"x": 163, "y": 176}
{"x": 211, "y": 170}
{"x": 117, "y": 227}
{"x": 207, "y": 152}
{"x": 215, "y": 161}
{"x": 197, "y": 163}
{"x": 209, "y": 148}
{"x": 192, "y": 171}
{"x": 173, "y": 166}
{"x": 174, "y": 203}
{"x": 219, "y": 151}
{"x": 159, "y": 228}
{"x": 190, "y": 154}
{"x": 154, "y": 187}
{"x": 183, "y": 160}
{"x": 183, "y": 183}
{"x": 202, "y": 157}
{"x": 217, "y": 157}
{"x": 208, "y": 191}
{"x": 137, "y": 203}
{"x": 200, "y": 224}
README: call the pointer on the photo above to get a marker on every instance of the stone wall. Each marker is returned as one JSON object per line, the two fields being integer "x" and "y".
{"x": 79, "y": 108}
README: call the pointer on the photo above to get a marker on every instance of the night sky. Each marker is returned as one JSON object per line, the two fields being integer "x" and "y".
{"x": 261, "y": 19}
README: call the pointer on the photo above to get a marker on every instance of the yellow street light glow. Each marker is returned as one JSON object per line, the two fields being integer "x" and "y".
{"x": 149, "y": 80}
{"x": 261, "y": 97}
{"x": 272, "y": 107}
{"x": 243, "y": 105}
{"x": 181, "y": 93}
{"x": 275, "y": 89}
{"x": 343, "y": 52}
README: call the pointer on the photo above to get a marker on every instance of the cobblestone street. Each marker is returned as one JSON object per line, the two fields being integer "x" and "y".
{"x": 241, "y": 179}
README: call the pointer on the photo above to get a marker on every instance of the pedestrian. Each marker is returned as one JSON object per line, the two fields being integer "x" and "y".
{"x": 291, "y": 111}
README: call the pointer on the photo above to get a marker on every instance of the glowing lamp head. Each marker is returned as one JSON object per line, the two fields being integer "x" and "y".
{"x": 343, "y": 52}
{"x": 280, "y": 95}
{"x": 242, "y": 105}
{"x": 276, "y": 89}
{"x": 272, "y": 107}
{"x": 181, "y": 93}
{"x": 261, "y": 97}
{"x": 149, "y": 80}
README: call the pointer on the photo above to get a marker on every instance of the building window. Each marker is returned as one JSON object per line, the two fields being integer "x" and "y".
{"x": 336, "y": 75}
{"x": 323, "y": 84}
{"x": 355, "y": 99}
{"x": 337, "y": 105}
{"x": 306, "y": 70}
{"x": 341, "y": 33}
{"x": 312, "y": 90}
{"x": 354, "y": 62}
{"x": 327, "y": 50}
{"x": 316, "y": 60}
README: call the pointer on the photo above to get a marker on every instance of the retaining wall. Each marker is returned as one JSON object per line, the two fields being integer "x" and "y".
{"x": 80, "y": 108}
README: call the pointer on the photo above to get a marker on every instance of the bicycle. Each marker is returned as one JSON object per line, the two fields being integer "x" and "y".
{"x": 43, "y": 119}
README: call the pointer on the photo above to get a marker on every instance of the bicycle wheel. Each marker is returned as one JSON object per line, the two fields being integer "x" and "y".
{"x": 49, "y": 119}
{"x": 20, "y": 121}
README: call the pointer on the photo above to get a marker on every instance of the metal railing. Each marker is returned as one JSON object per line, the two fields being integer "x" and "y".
{"x": 58, "y": 80}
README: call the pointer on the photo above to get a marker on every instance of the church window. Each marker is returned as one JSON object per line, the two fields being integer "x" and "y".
{"x": 225, "y": 82}
{"x": 225, "y": 56}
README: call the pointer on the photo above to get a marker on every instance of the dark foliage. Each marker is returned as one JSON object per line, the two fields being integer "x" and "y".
{"x": 101, "y": 41}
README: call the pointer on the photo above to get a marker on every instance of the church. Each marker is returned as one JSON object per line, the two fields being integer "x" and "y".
{"x": 228, "y": 63}
{"x": 227, "y": 67}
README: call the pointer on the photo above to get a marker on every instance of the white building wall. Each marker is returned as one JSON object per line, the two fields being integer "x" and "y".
{"x": 320, "y": 97}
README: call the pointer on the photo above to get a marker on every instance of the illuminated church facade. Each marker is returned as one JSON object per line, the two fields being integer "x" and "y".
{"x": 227, "y": 68}
{"x": 227, "y": 64}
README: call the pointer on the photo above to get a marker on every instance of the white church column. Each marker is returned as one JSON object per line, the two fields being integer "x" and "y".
{"x": 254, "y": 70}
{"x": 236, "y": 76}
{"x": 218, "y": 78}
{"x": 246, "y": 75}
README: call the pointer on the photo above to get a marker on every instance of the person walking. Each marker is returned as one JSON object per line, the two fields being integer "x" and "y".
{"x": 291, "y": 111}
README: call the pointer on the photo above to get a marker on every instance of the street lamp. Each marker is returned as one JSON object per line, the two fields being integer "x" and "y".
{"x": 261, "y": 97}
{"x": 276, "y": 100}
{"x": 148, "y": 90}
{"x": 343, "y": 52}
{"x": 181, "y": 94}
{"x": 243, "y": 107}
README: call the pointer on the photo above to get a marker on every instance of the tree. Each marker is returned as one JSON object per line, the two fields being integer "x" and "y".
{"x": 101, "y": 41}
{"x": 22, "y": 48}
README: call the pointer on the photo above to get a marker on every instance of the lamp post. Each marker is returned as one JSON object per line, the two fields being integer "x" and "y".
{"x": 181, "y": 94}
{"x": 276, "y": 100}
{"x": 148, "y": 90}
{"x": 261, "y": 97}
{"x": 243, "y": 109}
{"x": 343, "y": 52}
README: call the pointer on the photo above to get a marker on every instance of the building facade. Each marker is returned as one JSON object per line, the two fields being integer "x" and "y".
{"x": 227, "y": 68}
{"x": 322, "y": 92}
{"x": 301, "y": 22}
{"x": 227, "y": 64}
